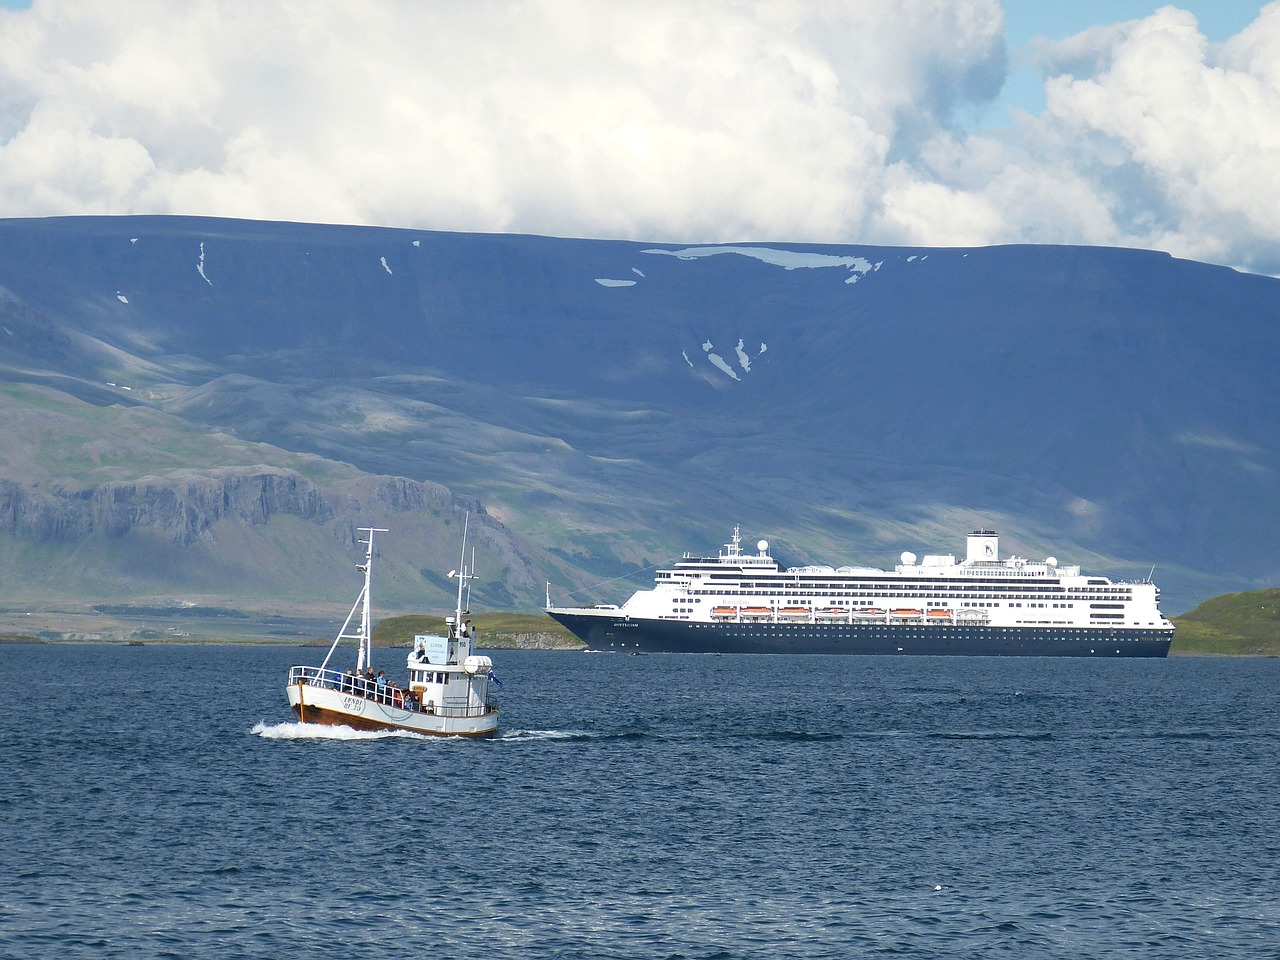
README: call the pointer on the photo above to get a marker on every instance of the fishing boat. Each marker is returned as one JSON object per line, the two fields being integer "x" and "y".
{"x": 448, "y": 689}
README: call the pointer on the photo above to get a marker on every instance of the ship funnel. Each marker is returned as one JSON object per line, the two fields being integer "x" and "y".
{"x": 984, "y": 545}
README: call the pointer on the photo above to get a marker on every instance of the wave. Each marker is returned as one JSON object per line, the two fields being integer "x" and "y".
{"x": 990, "y": 735}
{"x": 321, "y": 731}
{"x": 512, "y": 735}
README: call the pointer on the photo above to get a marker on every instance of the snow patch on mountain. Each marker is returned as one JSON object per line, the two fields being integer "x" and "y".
{"x": 744, "y": 359}
{"x": 719, "y": 361}
{"x": 200, "y": 266}
{"x": 787, "y": 259}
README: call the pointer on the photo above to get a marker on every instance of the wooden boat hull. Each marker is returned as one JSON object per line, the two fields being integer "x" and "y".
{"x": 314, "y": 704}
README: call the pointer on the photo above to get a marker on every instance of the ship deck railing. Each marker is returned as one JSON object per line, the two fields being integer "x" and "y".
{"x": 357, "y": 686}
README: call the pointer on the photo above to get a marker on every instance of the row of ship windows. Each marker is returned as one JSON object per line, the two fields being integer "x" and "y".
{"x": 791, "y": 598}
{"x": 845, "y": 590}
{"x": 878, "y": 630}
{"x": 797, "y": 628}
{"x": 808, "y": 580}
{"x": 1055, "y": 606}
{"x": 915, "y": 584}
{"x": 881, "y": 599}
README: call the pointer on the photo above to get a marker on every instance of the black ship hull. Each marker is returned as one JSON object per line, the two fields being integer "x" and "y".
{"x": 865, "y": 639}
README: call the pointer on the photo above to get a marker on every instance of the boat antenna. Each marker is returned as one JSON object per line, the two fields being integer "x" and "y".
{"x": 472, "y": 577}
{"x": 464, "y": 577}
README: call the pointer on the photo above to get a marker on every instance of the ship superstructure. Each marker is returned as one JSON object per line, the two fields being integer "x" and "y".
{"x": 982, "y": 604}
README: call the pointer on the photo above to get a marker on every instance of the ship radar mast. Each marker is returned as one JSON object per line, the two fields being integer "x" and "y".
{"x": 734, "y": 547}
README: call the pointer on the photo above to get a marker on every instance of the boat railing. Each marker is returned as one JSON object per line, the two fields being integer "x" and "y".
{"x": 456, "y": 707}
{"x": 344, "y": 682}
{"x": 323, "y": 677}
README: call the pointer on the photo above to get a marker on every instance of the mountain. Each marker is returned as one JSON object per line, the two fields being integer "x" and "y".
{"x": 603, "y": 406}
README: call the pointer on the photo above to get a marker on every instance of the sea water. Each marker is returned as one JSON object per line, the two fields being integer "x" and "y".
{"x": 159, "y": 801}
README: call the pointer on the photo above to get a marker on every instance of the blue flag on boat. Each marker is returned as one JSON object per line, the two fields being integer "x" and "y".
{"x": 496, "y": 681}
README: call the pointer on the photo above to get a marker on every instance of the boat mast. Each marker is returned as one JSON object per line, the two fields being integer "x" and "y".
{"x": 364, "y": 659}
{"x": 464, "y": 580}
{"x": 364, "y": 632}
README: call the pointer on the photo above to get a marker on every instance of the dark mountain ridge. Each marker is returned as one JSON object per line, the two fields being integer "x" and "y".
{"x": 611, "y": 403}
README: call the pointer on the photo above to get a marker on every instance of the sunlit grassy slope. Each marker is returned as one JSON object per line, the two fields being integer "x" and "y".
{"x": 1234, "y": 623}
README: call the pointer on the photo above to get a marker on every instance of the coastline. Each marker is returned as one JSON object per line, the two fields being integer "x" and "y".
{"x": 494, "y": 643}
{"x": 319, "y": 629}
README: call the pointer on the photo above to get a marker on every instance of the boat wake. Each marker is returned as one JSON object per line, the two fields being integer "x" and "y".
{"x": 514, "y": 735}
{"x": 320, "y": 731}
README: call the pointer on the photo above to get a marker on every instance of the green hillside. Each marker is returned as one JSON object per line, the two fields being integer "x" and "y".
{"x": 1234, "y": 623}
{"x": 1245, "y": 624}
{"x": 493, "y": 630}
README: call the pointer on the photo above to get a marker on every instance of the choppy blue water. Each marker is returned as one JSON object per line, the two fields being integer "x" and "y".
{"x": 158, "y": 802}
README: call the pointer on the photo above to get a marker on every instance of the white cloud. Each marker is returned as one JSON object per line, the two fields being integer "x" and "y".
{"x": 813, "y": 120}
{"x": 1198, "y": 127}
{"x": 592, "y": 117}
{"x": 1151, "y": 137}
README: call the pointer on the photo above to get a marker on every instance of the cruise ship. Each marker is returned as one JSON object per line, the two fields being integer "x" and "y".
{"x": 983, "y": 605}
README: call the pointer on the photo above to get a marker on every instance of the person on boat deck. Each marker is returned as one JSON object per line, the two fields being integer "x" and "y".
{"x": 382, "y": 685}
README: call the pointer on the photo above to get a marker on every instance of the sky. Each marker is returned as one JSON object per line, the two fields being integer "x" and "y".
{"x": 914, "y": 123}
